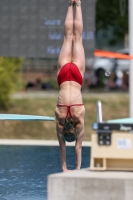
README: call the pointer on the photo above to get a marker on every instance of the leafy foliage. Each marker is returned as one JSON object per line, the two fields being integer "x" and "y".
{"x": 9, "y": 68}
{"x": 108, "y": 14}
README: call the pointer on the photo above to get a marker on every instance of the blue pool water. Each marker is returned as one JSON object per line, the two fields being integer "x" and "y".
{"x": 24, "y": 170}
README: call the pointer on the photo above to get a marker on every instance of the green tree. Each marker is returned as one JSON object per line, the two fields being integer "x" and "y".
{"x": 108, "y": 14}
{"x": 9, "y": 73}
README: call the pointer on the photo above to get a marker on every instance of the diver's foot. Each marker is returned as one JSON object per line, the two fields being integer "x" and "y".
{"x": 77, "y": 2}
{"x": 71, "y": 2}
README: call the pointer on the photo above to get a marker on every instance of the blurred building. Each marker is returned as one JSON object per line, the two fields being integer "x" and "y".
{"x": 33, "y": 29}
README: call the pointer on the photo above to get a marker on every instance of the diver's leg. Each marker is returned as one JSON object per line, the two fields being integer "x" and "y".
{"x": 66, "y": 50}
{"x": 78, "y": 56}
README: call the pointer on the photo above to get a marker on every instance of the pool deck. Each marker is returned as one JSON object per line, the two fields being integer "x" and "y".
{"x": 38, "y": 142}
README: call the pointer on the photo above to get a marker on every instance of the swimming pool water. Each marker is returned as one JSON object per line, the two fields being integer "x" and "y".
{"x": 24, "y": 170}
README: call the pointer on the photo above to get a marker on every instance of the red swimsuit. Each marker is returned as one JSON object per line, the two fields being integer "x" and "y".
{"x": 68, "y": 108}
{"x": 69, "y": 72}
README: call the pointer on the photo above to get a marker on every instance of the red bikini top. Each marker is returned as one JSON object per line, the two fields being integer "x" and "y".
{"x": 69, "y": 72}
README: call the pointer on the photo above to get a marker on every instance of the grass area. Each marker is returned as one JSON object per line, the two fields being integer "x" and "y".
{"x": 113, "y": 106}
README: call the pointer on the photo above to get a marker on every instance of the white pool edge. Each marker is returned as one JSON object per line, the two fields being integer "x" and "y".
{"x": 38, "y": 142}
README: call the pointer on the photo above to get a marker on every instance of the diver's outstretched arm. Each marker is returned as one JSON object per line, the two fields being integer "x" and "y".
{"x": 62, "y": 144}
{"x": 78, "y": 147}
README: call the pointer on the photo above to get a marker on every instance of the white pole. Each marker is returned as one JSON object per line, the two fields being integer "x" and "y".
{"x": 130, "y": 10}
{"x": 99, "y": 112}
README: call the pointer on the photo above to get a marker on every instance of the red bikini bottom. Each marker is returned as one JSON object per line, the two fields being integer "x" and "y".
{"x": 68, "y": 108}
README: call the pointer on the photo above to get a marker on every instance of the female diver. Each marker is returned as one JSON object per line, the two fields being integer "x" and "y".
{"x": 70, "y": 109}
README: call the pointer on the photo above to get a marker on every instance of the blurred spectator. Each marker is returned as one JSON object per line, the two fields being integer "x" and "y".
{"x": 90, "y": 79}
{"x": 125, "y": 80}
{"x": 119, "y": 82}
{"x": 38, "y": 84}
{"x": 101, "y": 78}
{"x": 111, "y": 82}
{"x": 46, "y": 86}
{"x": 30, "y": 85}
{"x": 33, "y": 85}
